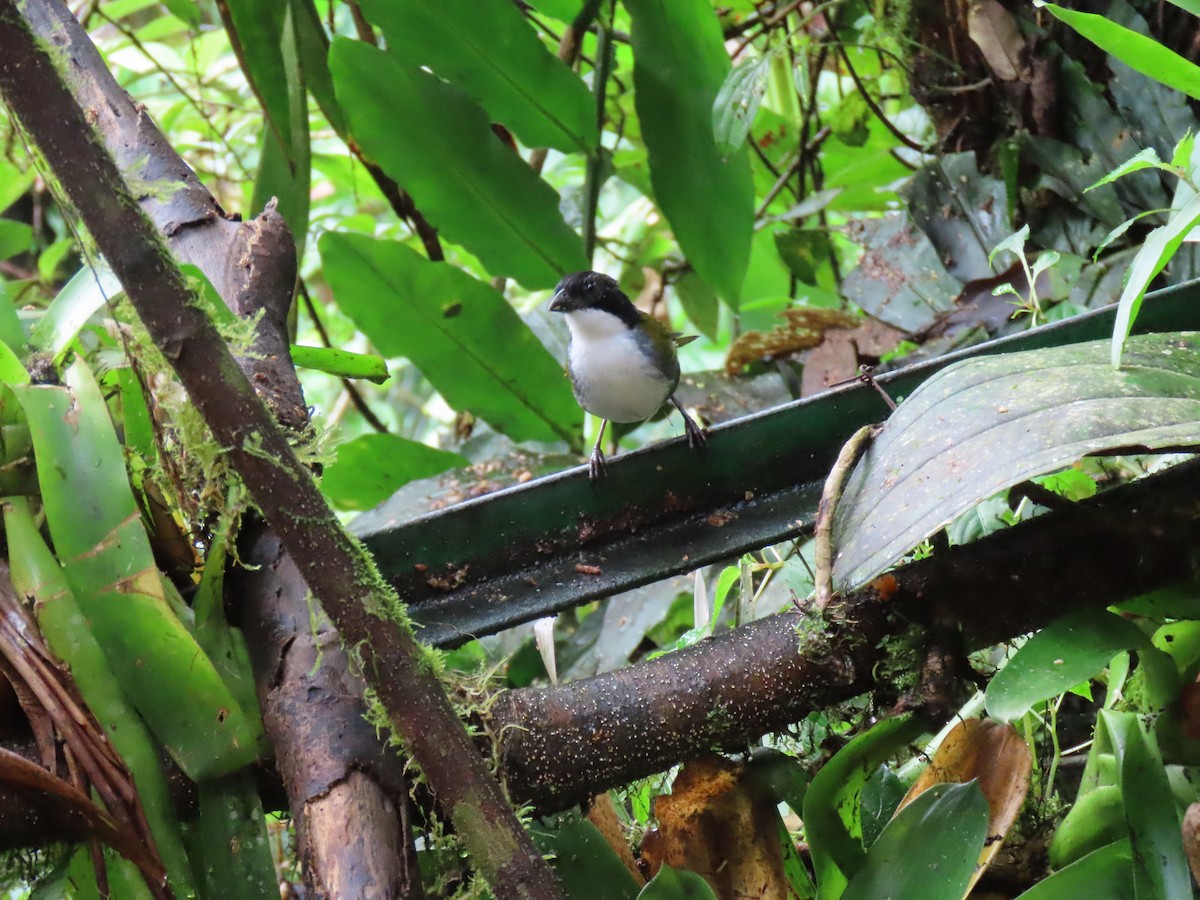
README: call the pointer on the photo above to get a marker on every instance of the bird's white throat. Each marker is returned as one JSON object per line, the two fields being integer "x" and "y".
{"x": 612, "y": 368}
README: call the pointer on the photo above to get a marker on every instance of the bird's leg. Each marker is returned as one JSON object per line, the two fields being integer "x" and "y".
{"x": 596, "y": 462}
{"x": 695, "y": 434}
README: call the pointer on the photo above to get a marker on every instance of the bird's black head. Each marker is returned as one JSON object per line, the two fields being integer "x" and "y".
{"x": 592, "y": 290}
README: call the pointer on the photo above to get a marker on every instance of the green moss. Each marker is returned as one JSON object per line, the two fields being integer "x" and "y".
{"x": 903, "y": 657}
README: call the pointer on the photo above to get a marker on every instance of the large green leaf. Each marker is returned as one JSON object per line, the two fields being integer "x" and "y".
{"x": 487, "y": 48}
{"x": 680, "y": 64}
{"x": 832, "y": 811}
{"x": 982, "y": 425}
{"x": 285, "y": 169}
{"x": 439, "y": 145}
{"x": 256, "y": 30}
{"x": 460, "y": 333}
{"x": 928, "y": 851}
{"x": 1069, "y": 650}
{"x": 1160, "y": 868}
{"x": 372, "y": 467}
{"x": 99, "y": 538}
{"x": 37, "y": 576}
{"x": 585, "y": 862}
{"x": 1103, "y": 874}
{"x": 1139, "y": 52}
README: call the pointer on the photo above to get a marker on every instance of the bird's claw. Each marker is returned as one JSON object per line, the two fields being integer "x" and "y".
{"x": 695, "y": 434}
{"x": 596, "y": 467}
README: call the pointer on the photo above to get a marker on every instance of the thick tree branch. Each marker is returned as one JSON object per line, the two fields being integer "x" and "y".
{"x": 336, "y": 569}
{"x": 562, "y": 745}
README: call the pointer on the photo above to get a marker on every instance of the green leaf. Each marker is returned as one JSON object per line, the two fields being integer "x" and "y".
{"x": 50, "y": 259}
{"x": 233, "y": 844}
{"x": 372, "y": 467}
{"x": 1160, "y": 868}
{"x": 675, "y": 884}
{"x": 737, "y": 103}
{"x": 983, "y": 425}
{"x": 13, "y": 182}
{"x": 1059, "y": 656}
{"x": 881, "y": 795}
{"x": 1096, "y": 819}
{"x": 184, "y": 10}
{"x": 314, "y": 62}
{"x": 803, "y": 251}
{"x": 12, "y": 333}
{"x": 15, "y": 238}
{"x": 1142, "y": 54}
{"x": 1147, "y": 159}
{"x": 459, "y": 332}
{"x": 285, "y": 169}
{"x": 832, "y": 812}
{"x": 1156, "y": 252}
{"x": 36, "y": 574}
{"x": 99, "y": 539}
{"x": 928, "y": 850}
{"x": 1103, "y": 874}
{"x": 680, "y": 63}
{"x": 70, "y": 310}
{"x": 256, "y": 30}
{"x": 699, "y": 302}
{"x": 341, "y": 363}
{"x": 489, "y": 50}
{"x": 586, "y": 864}
{"x": 439, "y": 145}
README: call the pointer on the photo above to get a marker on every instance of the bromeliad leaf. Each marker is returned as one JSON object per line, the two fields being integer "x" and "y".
{"x": 486, "y": 48}
{"x": 907, "y": 862}
{"x": 443, "y": 151}
{"x": 459, "y": 332}
{"x": 99, "y": 538}
{"x": 680, "y": 63}
{"x": 983, "y": 425}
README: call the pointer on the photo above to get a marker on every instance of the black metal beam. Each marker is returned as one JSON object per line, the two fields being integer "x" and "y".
{"x": 532, "y": 550}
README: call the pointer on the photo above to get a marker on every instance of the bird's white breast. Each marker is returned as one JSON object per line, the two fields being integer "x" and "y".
{"x": 614, "y": 377}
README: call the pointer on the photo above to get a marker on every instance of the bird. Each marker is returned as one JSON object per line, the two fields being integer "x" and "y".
{"x": 623, "y": 364}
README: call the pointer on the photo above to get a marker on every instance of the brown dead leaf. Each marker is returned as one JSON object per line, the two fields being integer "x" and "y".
{"x": 996, "y": 755}
{"x": 1191, "y": 839}
{"x": 714, "y": 824}
{"x": 804, "y": 327}
{"x": 994, "y": 31}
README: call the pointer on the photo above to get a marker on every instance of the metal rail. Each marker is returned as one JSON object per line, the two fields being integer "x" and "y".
{"x": 535, "y": 549}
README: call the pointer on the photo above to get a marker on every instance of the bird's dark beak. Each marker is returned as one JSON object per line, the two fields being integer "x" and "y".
{"x": 558, "y": 303}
